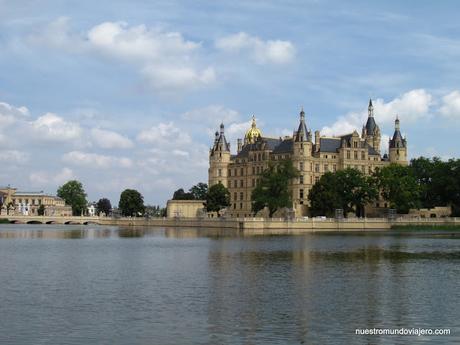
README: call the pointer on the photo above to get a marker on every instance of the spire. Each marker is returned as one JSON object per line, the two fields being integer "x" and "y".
{"x": 220, "y": 142}
{"x": 397, "y": 139}
{"x": 370, "y": 109}
{"x": 302, "y": 133}
{"x": 253, "y": 124}
{"x": 370, "y": 124}
{"x": 222, "y": 128}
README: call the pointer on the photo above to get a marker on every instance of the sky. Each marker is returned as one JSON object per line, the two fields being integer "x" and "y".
{"x": 128, "y": 94}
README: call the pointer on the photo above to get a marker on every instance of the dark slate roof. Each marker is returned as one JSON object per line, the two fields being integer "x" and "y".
{"x": 371, "y": 150}
{"x": 302, "y": 133}
{"x": 329, "y": 144}
{"x": 370, "y": 126}
{"x": 285, "y": 146}
{"x": 222, "y": 140}
{"x": 397, "y": 137}
{"x": 274, "y": 145}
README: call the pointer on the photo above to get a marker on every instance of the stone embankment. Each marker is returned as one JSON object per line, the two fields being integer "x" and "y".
{"x": 248, "y": 225}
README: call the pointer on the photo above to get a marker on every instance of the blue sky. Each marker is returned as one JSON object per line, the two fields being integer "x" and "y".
{"x": 127, "y": 94}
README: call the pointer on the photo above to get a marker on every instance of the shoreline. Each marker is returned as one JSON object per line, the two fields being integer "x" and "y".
{"x": 257, "y": 226}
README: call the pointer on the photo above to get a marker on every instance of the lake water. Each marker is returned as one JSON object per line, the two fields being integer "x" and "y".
{"x": 107, "y": 285}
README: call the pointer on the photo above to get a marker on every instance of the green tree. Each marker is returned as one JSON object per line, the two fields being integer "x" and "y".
{"x": 347, "y": 189}
{"x": 217, "y": 198}
{"x": 399, "y": 187}
{"x": 180, "y": 194}
{"x": 439, "y": 182}
{"x": 74, "y": 195}
{"x": 131, "y": 203}
{"x": 41, "y": 210}
{"x": 103, "y": 205}
{"x": 273, "y": 188}
{"x": 199, "y": 191}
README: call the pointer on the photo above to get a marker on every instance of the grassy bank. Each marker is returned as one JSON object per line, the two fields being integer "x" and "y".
{"x": 4, "y": 221}
{"x": 421, "y": 227}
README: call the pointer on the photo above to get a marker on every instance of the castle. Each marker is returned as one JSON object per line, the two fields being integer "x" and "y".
{"x": 240, "y": 172}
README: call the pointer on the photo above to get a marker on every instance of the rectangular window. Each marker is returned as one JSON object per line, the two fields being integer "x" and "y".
{"x": 301, "y": 179}
{"x": 326, "y": 167}
{"x": 316, "y": 167}
{"x": 355, "y": 144}
{"x": 241, "y": 196}
{"x": 253, "y": 170}
{"x": 316, "y": 179}
{"x": 334, "y": 168}
{"x": 355, "y": 154}
{"x": 300, "y": 194}
{"x": 301, "y": 166}
{"x": 219, "y": 172}
{"x": 234, "y": 196}
{"x": 242, "y": 171}
{"x": 241, "y": 183}
{"x": 348, "y": 154}
{"x": 235, "y": 183}
{"x": 229, "y": 172}
{"x": 363, "y": 155}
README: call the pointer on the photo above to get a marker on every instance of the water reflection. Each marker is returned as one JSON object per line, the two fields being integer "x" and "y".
{"x": 218, "y": 287}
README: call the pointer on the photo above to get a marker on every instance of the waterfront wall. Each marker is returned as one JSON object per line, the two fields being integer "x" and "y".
{"x": 250, "y": 226}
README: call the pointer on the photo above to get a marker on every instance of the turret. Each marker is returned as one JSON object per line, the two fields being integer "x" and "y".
{"x": 302, "y": 133}
{"x": 302, "y": 139}
{"x": 219, "y": 158}
{"x": 398, "y": 146}
{"x": 371, "y": 131}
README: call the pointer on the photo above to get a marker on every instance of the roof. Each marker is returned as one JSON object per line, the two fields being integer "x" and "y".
{"x": 272, "y": 144}
{"x": 333, "y": 144}
{"x": 329, "y": 144}
{"x": 370, "y": 125}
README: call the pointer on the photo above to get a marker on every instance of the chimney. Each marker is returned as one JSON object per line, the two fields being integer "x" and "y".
{"x": 240, "y": 145}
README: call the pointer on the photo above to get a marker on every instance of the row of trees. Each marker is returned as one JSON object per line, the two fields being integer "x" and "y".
{"x": 214, "y": 198}
{"x": 131, "y": 201}
{"x": 423, "y": 183}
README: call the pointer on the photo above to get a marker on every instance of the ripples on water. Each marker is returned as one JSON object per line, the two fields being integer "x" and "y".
{"x": 108, "y": 285}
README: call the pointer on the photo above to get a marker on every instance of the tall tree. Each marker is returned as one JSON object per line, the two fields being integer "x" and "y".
{"x": 399, "y": 187}
{"x": 199, "y": 191}
{"x": 74, "y": 195}
{"x": 217, "y": 198}
{"x": 180, "y": 194}
{"x": 273, "y": 188}
{"x": 131, "y": 203}
{"x": 103, "y": 205}
{"x": 348, "y": 189}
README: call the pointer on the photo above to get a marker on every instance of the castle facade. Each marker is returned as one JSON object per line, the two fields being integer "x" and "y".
{"x": 240, "y": 172}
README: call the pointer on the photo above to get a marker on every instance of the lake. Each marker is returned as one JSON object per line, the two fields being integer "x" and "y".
{"x": 108, "y": 285}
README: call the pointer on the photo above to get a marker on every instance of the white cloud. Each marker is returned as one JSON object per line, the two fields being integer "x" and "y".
{"x": 167, "y": 78}
{"x": 451, "y": 105}
{"x": 138, "y": 42}
{"x": 212, "y": 115}
{"x": 410, "y": 107}
{"x": 110, "y": 140}
{"x": 165, "y": 135}
{"x": 10, "y": 114}
{"x": 80, "y": 158}
{"x": 167, "y": 60}
{"x": 263, "y": 52}
{"x": 53, "y": 127}
{"x": 13, "y": 156}
{"x": 40, "y": 178}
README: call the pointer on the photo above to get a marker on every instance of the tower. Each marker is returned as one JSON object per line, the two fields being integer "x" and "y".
{"x": 219, "y": 159}
{"x": 371, "y": 131}
{"x": 301, "y": 158}
{"x": 398, "y": 146}
{"x": 253, "y": 133}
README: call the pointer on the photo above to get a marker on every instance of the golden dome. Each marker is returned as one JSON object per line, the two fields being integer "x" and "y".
{"x": 253, "y": 133}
